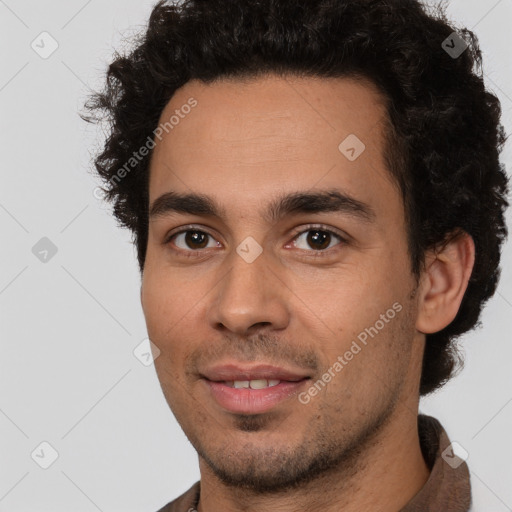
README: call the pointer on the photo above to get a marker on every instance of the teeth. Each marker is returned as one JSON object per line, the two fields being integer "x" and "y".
{"x": 253, "y": 384}
{"x": 258, "y": 384}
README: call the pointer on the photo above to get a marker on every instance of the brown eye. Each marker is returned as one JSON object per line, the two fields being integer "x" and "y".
{"x": 196, "y": 239}
{"x": 191, "y": 240}
{"x": 317, "y": 239}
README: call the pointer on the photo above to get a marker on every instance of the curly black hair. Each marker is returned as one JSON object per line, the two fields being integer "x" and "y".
{"x": 443, "y": 135}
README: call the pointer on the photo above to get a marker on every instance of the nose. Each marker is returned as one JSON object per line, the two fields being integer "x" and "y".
{"x": 250, "y": 296}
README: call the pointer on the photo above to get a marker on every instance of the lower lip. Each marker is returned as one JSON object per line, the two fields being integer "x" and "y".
{"x": 253, "y": 401}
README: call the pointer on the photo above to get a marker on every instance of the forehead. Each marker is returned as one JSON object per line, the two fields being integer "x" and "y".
{"x": 252, "y": 137}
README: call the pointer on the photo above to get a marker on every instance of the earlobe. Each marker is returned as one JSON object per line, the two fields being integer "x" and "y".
{"x": 444, "y": 282}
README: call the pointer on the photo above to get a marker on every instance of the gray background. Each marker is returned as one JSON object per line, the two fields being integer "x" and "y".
{"x": 68, "y": 375}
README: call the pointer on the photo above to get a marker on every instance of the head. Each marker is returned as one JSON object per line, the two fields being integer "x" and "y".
{"x": 264, "y": 123}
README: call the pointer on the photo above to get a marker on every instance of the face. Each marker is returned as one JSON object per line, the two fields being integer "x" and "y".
{"x": 260, "y": 275}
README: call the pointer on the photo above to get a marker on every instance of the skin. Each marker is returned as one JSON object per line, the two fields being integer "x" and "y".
{"x": 354, "y": 446}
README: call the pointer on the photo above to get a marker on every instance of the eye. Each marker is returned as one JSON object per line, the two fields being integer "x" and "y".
{"x": 192, "y": 240}
{"x": 318, "y": 238}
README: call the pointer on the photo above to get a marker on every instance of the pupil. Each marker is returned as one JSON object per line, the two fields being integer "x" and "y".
{"x": 315, "y": 237}
{"x": 195, "y": 238}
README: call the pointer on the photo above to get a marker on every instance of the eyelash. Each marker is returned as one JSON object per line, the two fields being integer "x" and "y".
{"x": 196, "y": 253}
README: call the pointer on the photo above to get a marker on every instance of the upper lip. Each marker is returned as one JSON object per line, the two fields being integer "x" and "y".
{"x": 236, "y": 371}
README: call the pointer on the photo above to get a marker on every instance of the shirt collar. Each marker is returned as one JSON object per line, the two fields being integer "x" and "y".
{"x": 448, "y": 487}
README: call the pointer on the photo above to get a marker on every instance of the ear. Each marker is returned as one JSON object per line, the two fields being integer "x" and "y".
{"x": 444, "y": 282}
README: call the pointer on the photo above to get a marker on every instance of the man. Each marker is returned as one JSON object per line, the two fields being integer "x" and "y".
{"x": 317, "y": 201}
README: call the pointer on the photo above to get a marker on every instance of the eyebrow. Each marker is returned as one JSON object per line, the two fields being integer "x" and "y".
{"x": 293, "y": 203}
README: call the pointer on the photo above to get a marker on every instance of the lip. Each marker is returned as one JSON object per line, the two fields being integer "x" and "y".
{"x": 252, "y": 401}
{"x": 237, "y": 371}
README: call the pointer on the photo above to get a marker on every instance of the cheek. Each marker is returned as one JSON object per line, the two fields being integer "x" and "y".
{"x": 163, "y": 312}
{"x": 172, "y": 309}
{"x": 342, "y": 300}
{"x": 159, "y": 305}
{"x": 365, "y": 310}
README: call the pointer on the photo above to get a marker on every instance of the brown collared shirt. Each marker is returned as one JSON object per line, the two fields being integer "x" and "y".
{"x": 448, "y": 488}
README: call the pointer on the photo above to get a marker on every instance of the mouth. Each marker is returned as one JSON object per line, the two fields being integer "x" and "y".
{"x": 252, "y": 390}
{"x": 254, "y": 396}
